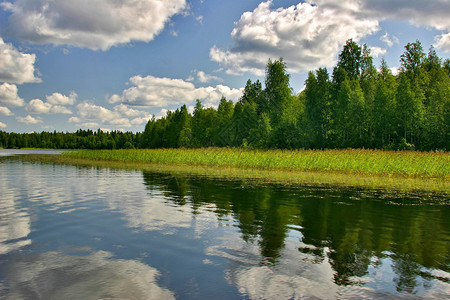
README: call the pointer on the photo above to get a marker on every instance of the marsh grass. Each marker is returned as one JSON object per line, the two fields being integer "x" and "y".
{"x": 435, "y": 188}
{"x": 368, "y": 162}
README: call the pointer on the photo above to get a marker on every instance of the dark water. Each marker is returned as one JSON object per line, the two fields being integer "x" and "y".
{"x": 70, "y": 232}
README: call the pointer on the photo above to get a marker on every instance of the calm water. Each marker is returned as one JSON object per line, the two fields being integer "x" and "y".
{"x": 71, "y": 232}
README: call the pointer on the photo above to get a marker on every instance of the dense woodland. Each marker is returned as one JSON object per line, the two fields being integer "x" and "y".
{"x": 81, "y": 139}
{"x": 357, "y": 106}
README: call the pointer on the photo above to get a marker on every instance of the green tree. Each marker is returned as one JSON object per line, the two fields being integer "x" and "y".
{"x": 350, "y": 59}
{"x": 409, "y": 108}
{"x": 412, "y": 59}
{"x": 317, "y": 106}
{"x": 277, "y": 91}
{"x": 260, "y": 135}
{"x": 384, "y": 106}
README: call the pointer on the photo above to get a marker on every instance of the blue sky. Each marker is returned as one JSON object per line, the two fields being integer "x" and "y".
{"x": 70, "y": 64}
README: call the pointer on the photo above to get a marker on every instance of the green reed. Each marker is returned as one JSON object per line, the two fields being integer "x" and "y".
{"x": 404, "y": 163}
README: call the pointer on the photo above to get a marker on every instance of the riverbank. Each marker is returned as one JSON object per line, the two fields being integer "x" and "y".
{"x": 400, "y": 170}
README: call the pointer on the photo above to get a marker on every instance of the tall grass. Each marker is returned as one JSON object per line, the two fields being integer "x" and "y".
{"x": 403, "y": 163}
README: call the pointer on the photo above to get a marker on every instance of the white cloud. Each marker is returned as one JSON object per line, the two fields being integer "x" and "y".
{"x": 75, "y": 120}
{"x": 202, "y": 77}
{"x": 443, "y": 42}
{"x": 90, "y": 111}
{"x": 55, "y": 104}
{"x": 59, "y": 109}
{"x": 311, "y": 34}
{"x": 377, "y": 51}
{"x": 390, "y": 40}
{"x": 162, "y": 113}
{"x": 28, "y": 120}
{"x": 4, "y": 111}
{"x": 140, "y": 121}
{"x": 305, "y": 35}
{"x": 59, "y": 99}
{"x": 9, "y": 96}
{"x": 15, "y": 66}
{"x": 92, "y": 115}
{"x": 432, "y": 14}
{"x": 129, "y": 112}
{"x": 89, "y": 125}
{"x": 37, "y": 106}
{"x": 94, "y": 24}
{"x": 161, "y": 92}
{"x": 3, "y": 125}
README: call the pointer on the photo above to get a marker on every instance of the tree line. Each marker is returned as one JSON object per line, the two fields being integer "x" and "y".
{"x": 81, "y": 139}
{"x": 357, "y": 106}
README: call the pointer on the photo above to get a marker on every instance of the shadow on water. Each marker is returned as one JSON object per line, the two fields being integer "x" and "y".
{"x": 354, "y": 230}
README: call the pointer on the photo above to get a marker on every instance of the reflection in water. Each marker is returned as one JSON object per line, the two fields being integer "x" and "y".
{"x": 53, "y": 275}
{"x": 14, "y": 222}
{"x": 152, "y": 235}
{"x": 344, "y": 235}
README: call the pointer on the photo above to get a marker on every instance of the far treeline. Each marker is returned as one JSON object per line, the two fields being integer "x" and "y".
{"x": 357, "y": 106}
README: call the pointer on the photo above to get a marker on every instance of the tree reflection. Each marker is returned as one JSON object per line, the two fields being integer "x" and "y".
{"x": 353, "y": 230}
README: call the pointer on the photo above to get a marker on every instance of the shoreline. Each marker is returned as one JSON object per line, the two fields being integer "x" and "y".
{"x": 387, "y": 182}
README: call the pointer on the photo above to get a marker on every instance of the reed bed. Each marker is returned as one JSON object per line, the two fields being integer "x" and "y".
{"x": 373, "y": 162}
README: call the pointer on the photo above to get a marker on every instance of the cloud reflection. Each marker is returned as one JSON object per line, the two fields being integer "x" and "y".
{"x": 295, "y": 277}
{"x": 14, "y": 221}
{"x": 54, "y": 275}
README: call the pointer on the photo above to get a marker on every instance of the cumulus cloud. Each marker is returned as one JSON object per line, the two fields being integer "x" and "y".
{"x": 443, "y": 42}
{"x": 28, "y": 120}
{"x": 59, "y": 99}
{"x": 55, "y": 104}
{"x": 2, "y": 125}
{"x": 377, "y": 51}
{"x": 128, "y": 111}
{"x": 92, "y": 115}
{"x": 202, "y": 77}
{"x": 390, "y": 40}
{"x": 311, "y": 34}
{"x": 94, "y": 24}
{"x": 15, "y": 66}
{"x": 305, "y": 35}
{"x": 37, "y": 106}
{"x": 9, "y": 96}
{"x": 4, "y": 111}
{"x": 161, "y": 92}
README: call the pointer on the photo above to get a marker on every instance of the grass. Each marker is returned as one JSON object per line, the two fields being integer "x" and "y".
{"x": 368, "y": 162}
{"x": 396, "y": 171}
{"x": 389, "y": 170}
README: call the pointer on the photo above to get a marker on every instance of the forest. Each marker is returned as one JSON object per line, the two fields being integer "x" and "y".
{"x": 356, "y": 106}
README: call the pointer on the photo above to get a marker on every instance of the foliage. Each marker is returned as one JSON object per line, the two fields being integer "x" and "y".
{"x": 359, "y": 107}
{"x": 81, "y": 139}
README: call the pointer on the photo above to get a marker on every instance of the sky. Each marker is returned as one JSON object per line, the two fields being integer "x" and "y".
{"x": 89, "y": 64}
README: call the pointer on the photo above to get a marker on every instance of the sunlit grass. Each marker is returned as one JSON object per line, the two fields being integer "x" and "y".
{"x": 426, "y": 172}
{"x": 373, "y": 162}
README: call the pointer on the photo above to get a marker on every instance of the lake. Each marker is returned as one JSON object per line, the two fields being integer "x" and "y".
{"x": 69, "y": 232}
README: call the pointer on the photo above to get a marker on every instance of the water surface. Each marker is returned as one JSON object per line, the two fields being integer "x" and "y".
{"x": 70, "y": 232}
